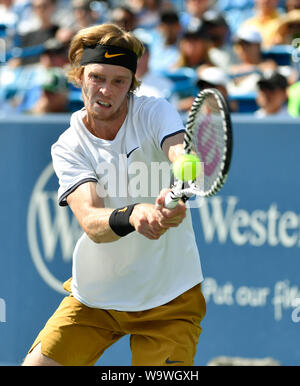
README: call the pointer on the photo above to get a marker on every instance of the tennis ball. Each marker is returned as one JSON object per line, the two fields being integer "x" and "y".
{"x": 186, "y": 167}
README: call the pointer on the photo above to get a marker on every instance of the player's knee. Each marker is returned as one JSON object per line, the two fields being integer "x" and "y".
{"x": 36, "y": 358}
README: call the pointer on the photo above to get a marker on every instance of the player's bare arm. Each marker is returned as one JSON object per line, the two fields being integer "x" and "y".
{"x": 173, "y": 146}
{"x": 93, "y": 217}
{"x": 91, "y": 214}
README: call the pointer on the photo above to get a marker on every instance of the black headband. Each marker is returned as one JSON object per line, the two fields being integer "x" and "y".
{"x": 107, "y": 54}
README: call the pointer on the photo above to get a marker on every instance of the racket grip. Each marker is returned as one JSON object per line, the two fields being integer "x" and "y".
{"x": 171, "y": 202}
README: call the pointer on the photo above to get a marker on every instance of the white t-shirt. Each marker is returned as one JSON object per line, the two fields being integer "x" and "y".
{"x": 155, "y": 85}
{"x": 132, "y": 273}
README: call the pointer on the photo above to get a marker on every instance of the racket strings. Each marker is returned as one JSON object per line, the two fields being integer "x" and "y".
{"x": 209, "y": 141}
{"x": 209, "y": 135}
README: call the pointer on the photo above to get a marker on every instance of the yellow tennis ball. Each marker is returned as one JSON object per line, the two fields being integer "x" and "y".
{"x": 187, "y": 167}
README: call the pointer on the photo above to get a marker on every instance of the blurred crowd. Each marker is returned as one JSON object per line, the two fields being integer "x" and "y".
{"x": 248, "y": 49}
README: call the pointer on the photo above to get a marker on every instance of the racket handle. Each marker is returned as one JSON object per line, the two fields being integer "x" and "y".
{"x": 171, "y": 201}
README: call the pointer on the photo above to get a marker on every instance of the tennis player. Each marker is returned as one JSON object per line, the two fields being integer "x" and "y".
{"x": 136, "y": 268}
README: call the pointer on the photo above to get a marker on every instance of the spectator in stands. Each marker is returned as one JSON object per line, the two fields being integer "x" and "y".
{"x": 83, "y": 14}
{"x": 54, "y": 94}
{"x": 13, "y": 15}
{"x": 83, "y": 17}
{"x": 7, "y": 10}
{"x": 209, "y": 77}
{"x": 194, "y": 10}
{"x": 221, "y": 53}
{"x": 213, "y": 77}
{"x": 288, "y": 28}
{"x": 291, "y": 5}
{"x": 135, "y": 5}
{"x": 148, "y": 14}
{"x": 55, "y": 54}
{"x": 124, "y": 17}
{"x": 165, "y": 42}
{"x": 55, "y": 59}
{"x": 44, "y": 10}
{"x": 272, "y": 96}
{"x": 194, "y": 48}
{"x": 8, "y": 21}
{"x": 264, "y": 20}
{"x": 236, "y": 11}
{"x": 245, "y": 74}
{"x": 151, "y": 83}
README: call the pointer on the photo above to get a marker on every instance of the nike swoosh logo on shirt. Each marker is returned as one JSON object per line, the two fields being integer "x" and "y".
{"x": 107, "y": 55}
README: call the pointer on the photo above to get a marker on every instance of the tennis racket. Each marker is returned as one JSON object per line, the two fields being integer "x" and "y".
{"x": 208, "y": 135}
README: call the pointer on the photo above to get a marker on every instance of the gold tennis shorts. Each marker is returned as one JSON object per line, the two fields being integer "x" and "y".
{"x": 77, "y": 335}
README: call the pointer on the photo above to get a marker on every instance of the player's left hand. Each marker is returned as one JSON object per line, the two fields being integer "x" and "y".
{"x": 169, "y": 217}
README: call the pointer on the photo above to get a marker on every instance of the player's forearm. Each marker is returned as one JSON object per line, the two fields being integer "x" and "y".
{"x": 96, "y": 226}
{"x": 173, "y": 146}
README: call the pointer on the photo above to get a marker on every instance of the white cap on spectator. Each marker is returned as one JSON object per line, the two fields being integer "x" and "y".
{"x": 213, "y": 75}
{"x": 248, "y": 34}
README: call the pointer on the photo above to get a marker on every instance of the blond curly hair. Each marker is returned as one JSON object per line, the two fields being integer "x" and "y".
{"x": 106, "y": 34}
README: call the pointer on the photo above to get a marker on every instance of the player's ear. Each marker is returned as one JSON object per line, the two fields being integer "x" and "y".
{"x": 79, "y": 76}
{"x": 79, "y": 80}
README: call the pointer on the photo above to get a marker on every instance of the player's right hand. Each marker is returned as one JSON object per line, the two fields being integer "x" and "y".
{"x": 147, "y": 221}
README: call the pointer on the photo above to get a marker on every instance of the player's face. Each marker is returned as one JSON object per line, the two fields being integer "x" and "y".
{"x": 104, "y": 90}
